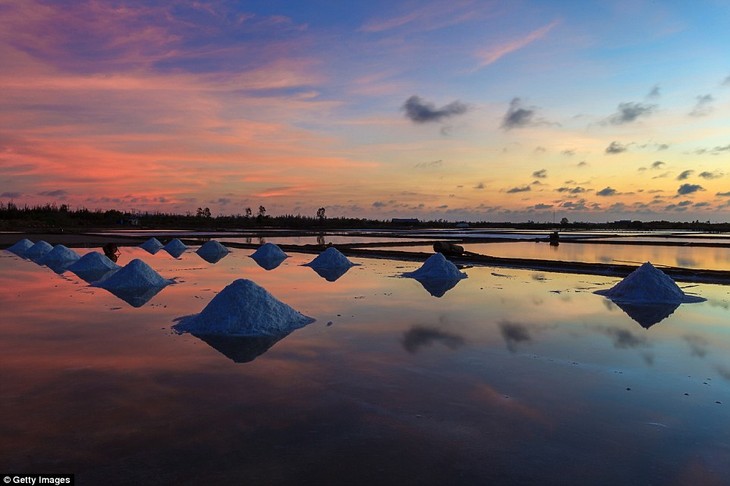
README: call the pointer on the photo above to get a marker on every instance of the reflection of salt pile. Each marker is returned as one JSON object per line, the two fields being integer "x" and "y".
{"x": 648, "y": 285}
{"x": 437, "y": 275}
{"x": 212, "y": 251}
{"x": 93, "y": 266}
{"x": 330, "y": 264}
{"x": 59, "y": 258}
{"x": 20, "y": 247}
{"x": 269, "y": 256}
{"x": 152, "y": 245}
{"x": 244, "y": 309}
{"x": 38, "y": 251}
{"x": 135, "y": 283}
{"x": 175, "y": 248}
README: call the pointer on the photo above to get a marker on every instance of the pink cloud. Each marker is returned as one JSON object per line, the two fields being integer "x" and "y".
{"x": 494, "y": 53}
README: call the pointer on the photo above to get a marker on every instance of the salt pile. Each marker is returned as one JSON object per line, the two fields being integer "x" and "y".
{"x": 38, "y": 251}
{"x": 648, "y": 285}
{"x": 269, "y": 256}
{"x": 244, "y": 309}
{"x": 212, "y": 251}
{"x": 59, "y": 258}
{"x": 152, "y": 245}
{"x": 93, "y": 266}
{"x": 437, "y": 275}
{"x": 135, "y": 283}
{"x": 330, "y": 258}
{"x": 175, "y": 248}
{"x": 437, "y": 267}
{"x": 135, "y": 275}
{"x": 20, "y": 247}
{"x": 330, "y": 264}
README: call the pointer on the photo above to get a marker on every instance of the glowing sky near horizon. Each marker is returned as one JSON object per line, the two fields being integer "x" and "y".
{"x": 474, "y": 110}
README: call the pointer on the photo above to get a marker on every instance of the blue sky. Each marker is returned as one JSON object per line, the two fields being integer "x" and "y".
{"x": 456, "y": 110}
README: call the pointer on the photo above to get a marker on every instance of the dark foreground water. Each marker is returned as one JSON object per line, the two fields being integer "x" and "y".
{"x": 511, "y": 377}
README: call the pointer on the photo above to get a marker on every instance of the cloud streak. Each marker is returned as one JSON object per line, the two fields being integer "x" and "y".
{"x": 494, "y": 53}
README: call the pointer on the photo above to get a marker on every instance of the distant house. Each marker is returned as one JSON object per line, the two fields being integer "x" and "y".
{"x": 462, "y": 225}
{"x": 404, "y": 221}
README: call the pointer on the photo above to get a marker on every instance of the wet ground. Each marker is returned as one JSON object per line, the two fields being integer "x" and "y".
{"x": 511, "y": 376}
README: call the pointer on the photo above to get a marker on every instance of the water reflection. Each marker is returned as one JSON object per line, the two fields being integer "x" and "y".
{"x": 418, "y": 337}
{"x": 331, "y": 274}
{"x": 647, "y": 314}
{"x": 514, "y": 333}
{"x": 268, "y": 262}
{"x": 240, "y": 349}
{"x": 136, "y": 297}
{"x": 438, "y": 287}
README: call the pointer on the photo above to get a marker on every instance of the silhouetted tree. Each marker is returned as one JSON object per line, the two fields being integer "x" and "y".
{"x": 206, "y": 212}
{"x": 320, "y": 214}
{"x": 262, "y": 211}
{"x": 248, "y": 212}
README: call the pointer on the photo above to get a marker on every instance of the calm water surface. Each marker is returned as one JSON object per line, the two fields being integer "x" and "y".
{"x": 673, "y": 256}
{"x": 512, "y": 376}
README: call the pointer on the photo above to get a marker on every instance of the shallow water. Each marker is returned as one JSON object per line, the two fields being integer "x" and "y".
{"x": 673, "y": 256}
{"x": 512, "y": 376}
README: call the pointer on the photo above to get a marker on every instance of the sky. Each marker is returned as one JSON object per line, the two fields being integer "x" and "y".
{"x": 456, "y": 110}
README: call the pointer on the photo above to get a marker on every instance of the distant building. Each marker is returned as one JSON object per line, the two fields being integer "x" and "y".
{"x": 404, "y": 221}
{"x": 462, "y": 224}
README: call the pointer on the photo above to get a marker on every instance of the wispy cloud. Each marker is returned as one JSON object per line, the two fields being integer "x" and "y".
{"x": 519, "y": 116}
{"x": 703, "y": 106}
{"x": 684, "y": 175}
{"x": 616, "y": 148}
{"x": 492, "y": 54}
{"x": 630, "y": 112}
{"x": 518, "y": 189}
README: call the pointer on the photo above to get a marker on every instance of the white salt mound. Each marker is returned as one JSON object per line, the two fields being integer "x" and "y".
{"x": 38, "y": 251}
{"x": 20, "y": 247}
{"x": 175, "y": 247}
{"x": 212, "y": 251}
{"x": 329, "y": 259}
{"x": 648, "y": 285}
{"x": 59, "y": 256}
{"x": 136, "y": 275}
{"x": 269, "y": 251}
{"x": 437, "y": 267}
{"x": 93, "y": 262}
{"x": 152, "y": 245}
{"x": 244, "y": 309}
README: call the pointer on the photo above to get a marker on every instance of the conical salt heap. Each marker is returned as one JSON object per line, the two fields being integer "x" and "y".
{"x": 212, "y": 251}
{"x": 20, "y": 247}
{"x": 269, "y": 251}
{"x": 244, "y": 309}
{"x": 152, "y": 245}
{"x": 38, "y": 251}
{"x": 330, "y": 258}
{"x": 648, "y": 285}
{"x": 135, "y": 283}
{"x": 330, "y": 264}
{"x": 175, "y": 247}
{"x": 136, "y": 275}
{"x": 93, "y": 266}
{"x": 59, "y": 258}
{"x": 269, "y": 256}
{"x": 437, "y": 267}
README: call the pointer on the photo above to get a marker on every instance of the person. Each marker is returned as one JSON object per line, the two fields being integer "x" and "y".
{"x": 111, "y": 251}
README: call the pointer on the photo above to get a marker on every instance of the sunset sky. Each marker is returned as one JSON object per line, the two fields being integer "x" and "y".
{"x": 459, "y": 109}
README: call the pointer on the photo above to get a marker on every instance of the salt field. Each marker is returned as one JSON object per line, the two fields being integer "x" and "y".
{"x": 509, "y": 376}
